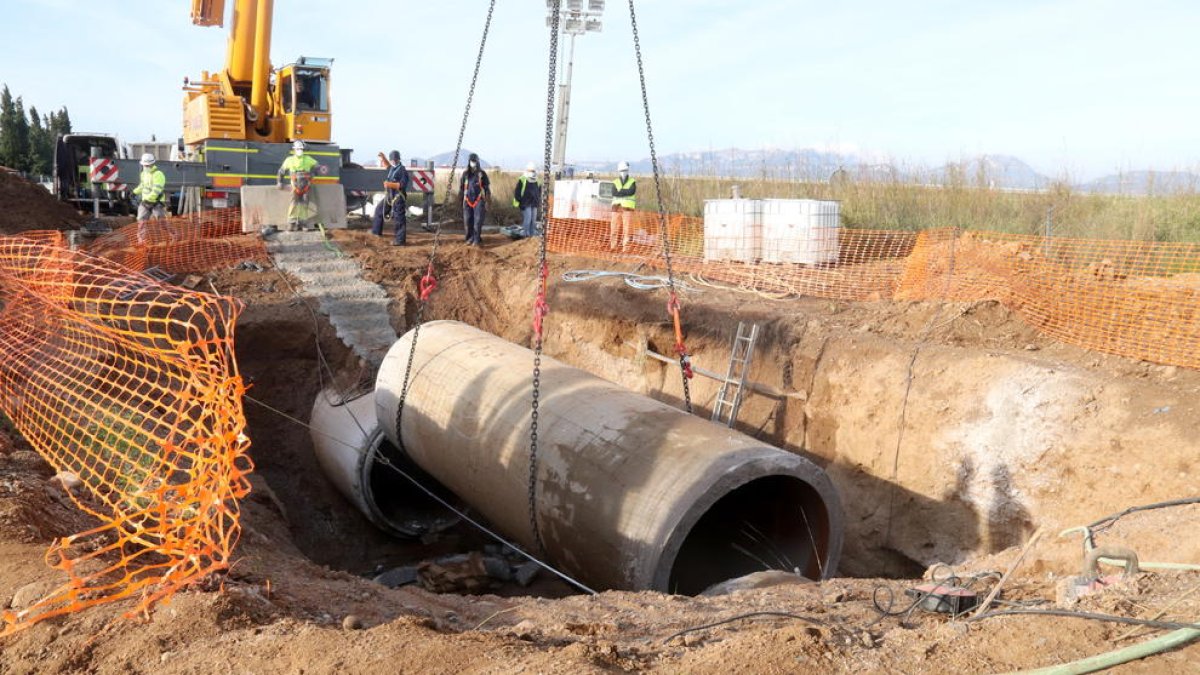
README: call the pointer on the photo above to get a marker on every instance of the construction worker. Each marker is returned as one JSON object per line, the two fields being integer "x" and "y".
{"x": 527, "y": 196}
{"x": 151, "y": 190}
{"x": 476, "y": 190}
{"x": 395, "y": 185}
{"x": 304, "y": 202}
{"x": 623, "y": 203}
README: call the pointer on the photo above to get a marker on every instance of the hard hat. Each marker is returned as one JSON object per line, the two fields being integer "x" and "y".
{"x": 623, "y": 166}
{"x": 148, "y": 159}
{"x": 530, "y": 167}
{"x": 416, "y": 211}
{"x": 394, "y": 155}
{"x": 298, "y": 145}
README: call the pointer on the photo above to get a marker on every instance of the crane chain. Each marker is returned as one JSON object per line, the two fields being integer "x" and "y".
{"x": 428, "y": 282}
{"x": 673, "y": 303}
{"x": 543, "y": 273}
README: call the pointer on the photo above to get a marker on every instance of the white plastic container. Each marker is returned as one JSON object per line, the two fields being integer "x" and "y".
{"x": 582, "y": 199}
{"x": 803, "y": 231}
{"x": 733, "y": 229}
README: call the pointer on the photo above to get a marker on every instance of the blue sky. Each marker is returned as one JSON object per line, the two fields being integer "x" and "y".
{"x": 1081, "y": 87}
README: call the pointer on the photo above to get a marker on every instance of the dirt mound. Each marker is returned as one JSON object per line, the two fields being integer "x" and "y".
{"x": 27, "y": 206}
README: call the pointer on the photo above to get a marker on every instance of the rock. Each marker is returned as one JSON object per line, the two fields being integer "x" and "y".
{"x": 400, "y": 576}
{"x": 454, "y": 574}
{"x": 692, "y": 639}
{"x": 29, "y": 594}
{"x": 497, "y": 568}
{"x": 524, "y": 630}
{"x": 1031, "y": 347}
{"x": 68, "y": 480}
{"x": 526, "y": 573}
{"x": 352, "y": 622}
{"x": 764, "y": 579}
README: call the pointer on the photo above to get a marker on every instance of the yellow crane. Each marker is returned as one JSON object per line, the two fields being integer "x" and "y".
{"x": 248, "y": 100}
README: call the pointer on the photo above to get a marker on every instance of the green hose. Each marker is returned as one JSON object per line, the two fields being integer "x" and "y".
{"x": 1092, "y": 664}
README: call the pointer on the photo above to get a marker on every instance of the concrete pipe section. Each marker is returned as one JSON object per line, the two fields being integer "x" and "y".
{"x": 631, "y": 493}
{"x": 352, "y": 450}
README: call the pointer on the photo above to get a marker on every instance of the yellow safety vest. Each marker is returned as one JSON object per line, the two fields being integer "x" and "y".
{"x": 625, "y": 202}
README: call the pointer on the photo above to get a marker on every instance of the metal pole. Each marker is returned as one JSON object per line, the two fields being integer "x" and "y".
{"x": 94, "y": 153}
{"x": 429, "y": 198}
{"x": 564, "y": 111}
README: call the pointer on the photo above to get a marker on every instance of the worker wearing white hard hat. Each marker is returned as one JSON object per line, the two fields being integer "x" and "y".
{"x": 623, "y": 203}
{"x": 527, "y": 196}
{"x": 152, "y": 193}
{"x": 299, "y": 167}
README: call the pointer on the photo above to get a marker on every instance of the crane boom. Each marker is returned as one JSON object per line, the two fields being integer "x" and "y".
{"x": 242, "y": 101}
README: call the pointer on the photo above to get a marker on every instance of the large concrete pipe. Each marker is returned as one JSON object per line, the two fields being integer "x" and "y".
{"x": 353, "y": 451}
{"x": 630, "y": 493}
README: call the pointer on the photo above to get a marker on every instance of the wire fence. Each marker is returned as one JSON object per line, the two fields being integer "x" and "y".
{"x": 1132, "y": 298}
{"x": 130, "y": 385}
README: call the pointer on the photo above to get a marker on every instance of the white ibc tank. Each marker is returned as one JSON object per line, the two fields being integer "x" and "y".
{"x": 582, "y": 199}
{"x": 733, "y": 229}
{"x": 803, "y": 231}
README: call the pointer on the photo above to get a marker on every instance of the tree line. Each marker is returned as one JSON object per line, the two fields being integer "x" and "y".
{"x": 27, "y": 141}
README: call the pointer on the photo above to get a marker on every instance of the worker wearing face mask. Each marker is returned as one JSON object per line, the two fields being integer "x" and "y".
{"x": 395, "y": 185}
{"x": 299, "y": 167}
{"x": 476, "y": 190}
{"x": 527, "y": 196}
{"x": 623, "y": 203}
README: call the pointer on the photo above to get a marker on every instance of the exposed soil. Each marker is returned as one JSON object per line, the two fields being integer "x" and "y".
{"x": 1004, "y": 432}
{"x": 27, "y": 206}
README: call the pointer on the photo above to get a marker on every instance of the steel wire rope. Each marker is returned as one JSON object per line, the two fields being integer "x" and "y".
{"x": 323, "y": 362}
{"x": 384, "y": 461}
{"x": 540, "y": 308}
{"x": 684, "y": 365}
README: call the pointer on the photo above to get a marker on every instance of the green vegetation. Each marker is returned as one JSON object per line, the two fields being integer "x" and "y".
{"x": 901, "y": 206}
{"x": 27, "y": 142}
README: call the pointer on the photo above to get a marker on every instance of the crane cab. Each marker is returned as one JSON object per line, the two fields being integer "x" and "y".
{"x": 302, "y": 100}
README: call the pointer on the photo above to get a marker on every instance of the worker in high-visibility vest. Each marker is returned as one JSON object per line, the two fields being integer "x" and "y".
{"x": 151, "y": 190}
{"x": 527, "y": 196}
{"x": 476, "y": 190}
{"x": 299, "y": 166}
{"x": 395, "y": 185}
{"x": 624, "y": 201}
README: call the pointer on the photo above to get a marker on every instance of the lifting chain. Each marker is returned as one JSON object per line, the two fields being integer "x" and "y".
{"x": 429, "y": 282}
{"x": 685, "y": 362}
{"x": 540, "y": 307}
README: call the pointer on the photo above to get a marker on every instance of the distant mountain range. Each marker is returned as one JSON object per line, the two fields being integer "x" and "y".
{"x": 993, "y": 171}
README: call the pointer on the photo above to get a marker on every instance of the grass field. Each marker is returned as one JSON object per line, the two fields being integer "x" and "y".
{"x": 893, "y": 205}
{"x": 900, "y": 206}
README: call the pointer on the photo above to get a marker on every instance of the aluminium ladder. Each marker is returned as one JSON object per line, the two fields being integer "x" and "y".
{"x": 725, "y": 410}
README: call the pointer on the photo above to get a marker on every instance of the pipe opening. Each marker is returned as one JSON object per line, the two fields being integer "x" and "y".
{"x": 398, "y": 503}
{"x": 774, "y": 522}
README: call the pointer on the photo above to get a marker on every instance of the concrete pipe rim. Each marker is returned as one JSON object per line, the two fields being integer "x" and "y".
{"x": 772, "y": 464}
{"x": 416, "y": 527}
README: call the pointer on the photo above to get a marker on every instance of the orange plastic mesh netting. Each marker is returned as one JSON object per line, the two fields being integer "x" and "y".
{"x": 191, "y": 243}
{"x": 1132, "y": 298}
{"x": 130, "y": 385}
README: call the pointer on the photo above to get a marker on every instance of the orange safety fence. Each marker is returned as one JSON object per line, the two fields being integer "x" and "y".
{"x": 1132, "y": 298}
{"x": 131, "y": 386}
{"x": 178, "y": 244}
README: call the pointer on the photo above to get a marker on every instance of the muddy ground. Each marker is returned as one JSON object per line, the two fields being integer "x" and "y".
{"x": 952, "y": 431}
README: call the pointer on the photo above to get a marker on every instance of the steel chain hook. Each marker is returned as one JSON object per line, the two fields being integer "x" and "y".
{"x": 685, "y": 367}
{"x": 540, "y": 306}
{"x": 428, "y": 283}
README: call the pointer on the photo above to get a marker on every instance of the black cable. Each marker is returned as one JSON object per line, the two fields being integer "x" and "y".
{"x": 1108, "y": 521}
{"x": 739, "y": 617}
